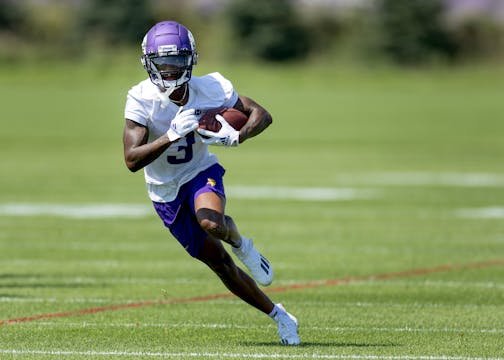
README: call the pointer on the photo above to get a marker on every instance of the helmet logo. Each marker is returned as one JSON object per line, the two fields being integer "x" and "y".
{"x": 164, "y": 50}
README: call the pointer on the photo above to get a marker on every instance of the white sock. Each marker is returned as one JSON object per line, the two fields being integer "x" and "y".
{"x": 274, "y": 312}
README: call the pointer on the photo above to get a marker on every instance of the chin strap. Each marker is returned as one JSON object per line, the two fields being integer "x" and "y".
{"x": 164, "y": 96}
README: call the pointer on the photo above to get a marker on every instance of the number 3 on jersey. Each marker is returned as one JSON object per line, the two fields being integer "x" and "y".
{"x": 186, "y": 151}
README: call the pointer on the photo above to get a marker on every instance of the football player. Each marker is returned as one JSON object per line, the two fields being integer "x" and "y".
{"x": 184, "y": 180}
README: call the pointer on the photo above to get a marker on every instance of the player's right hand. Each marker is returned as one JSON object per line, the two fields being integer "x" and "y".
{"x": 182, "y": 124}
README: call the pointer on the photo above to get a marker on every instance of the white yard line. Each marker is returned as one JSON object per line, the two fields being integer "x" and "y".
{"x": 298, "y": 193}
{"x": 110, "y": 210}
{"x": 453, "y": 179}
{"x": 404, "y": 329}
{"x": 237, "y": 355}
{"x": 76, "y": 211}
{"x": 312, "y": 194}
{"x": 492, "y": 212}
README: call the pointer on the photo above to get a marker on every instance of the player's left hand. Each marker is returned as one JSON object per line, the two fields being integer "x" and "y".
{"x": 226, "y": 136}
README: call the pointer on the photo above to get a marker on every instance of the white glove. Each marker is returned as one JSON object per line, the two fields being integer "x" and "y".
{"x": 182, "y": 124}
{"x": 226, "y": 136}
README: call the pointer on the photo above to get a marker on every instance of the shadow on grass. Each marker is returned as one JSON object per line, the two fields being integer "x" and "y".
{"x": 320, "y": 344}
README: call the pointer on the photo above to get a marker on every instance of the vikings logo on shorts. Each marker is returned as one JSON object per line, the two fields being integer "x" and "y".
{"x": 211, "y": 182}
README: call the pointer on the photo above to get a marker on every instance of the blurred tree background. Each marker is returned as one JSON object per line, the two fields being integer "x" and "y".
{"x": 404, "y": 32}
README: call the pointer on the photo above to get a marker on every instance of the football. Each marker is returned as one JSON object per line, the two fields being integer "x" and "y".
{"x": 234, "y": 117}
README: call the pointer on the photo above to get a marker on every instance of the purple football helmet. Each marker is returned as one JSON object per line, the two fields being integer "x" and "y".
{"x": 169, "y": 53}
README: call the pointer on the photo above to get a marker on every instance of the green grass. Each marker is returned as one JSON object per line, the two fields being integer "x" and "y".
{"x": 411, "y": 139}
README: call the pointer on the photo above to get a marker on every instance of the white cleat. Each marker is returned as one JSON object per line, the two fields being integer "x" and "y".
{"x": 258, "y": 265}
{"x": 287, "y": 327}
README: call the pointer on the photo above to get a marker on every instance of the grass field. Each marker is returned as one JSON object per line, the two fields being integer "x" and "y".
{"x": 378, "y": 195}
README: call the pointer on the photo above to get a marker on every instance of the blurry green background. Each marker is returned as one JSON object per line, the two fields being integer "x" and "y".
{"x": 353, "y": 86}
{"x": 383, "y": 85}
{"x": 402, "y": 31}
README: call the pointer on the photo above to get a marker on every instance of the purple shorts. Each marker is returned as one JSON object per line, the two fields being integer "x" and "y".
{"x": 179, "y": 215}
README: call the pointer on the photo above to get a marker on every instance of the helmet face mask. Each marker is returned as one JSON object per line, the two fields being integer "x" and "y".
{"x": 171, "y": 67}
{"x": 169, "y": 53}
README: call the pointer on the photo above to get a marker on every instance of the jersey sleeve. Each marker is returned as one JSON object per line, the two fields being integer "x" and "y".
{"x": 228, "y": 91}
{"x": 135, "y": 109}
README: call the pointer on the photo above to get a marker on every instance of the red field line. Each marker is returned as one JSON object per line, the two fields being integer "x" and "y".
{"x": 307, "y": 285}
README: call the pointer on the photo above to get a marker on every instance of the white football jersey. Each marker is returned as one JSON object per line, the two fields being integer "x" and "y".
{"x": 185, "y": 158}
